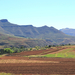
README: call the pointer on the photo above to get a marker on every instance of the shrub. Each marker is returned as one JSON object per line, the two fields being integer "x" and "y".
{"x": 30, "y": 49}
{"x": 8, "y": 50}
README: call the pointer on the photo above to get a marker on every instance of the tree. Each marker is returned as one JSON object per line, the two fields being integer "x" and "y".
{"x": 2, "y": 51}
{"x": 69, "y": 44}
{"x": 16, "y": 50}
{"x": 8, "y": 50}
{"x": 30, "y": 49}
{"x": 37, "y": 47}
{"x": 49, "y": 46}
{"x": 46, "y": 46}
{"x": 21, "y": 47}
{"x": 53, "y": 45}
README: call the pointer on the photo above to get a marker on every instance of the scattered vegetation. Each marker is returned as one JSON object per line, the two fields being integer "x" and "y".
{"x": 64, "y": 53}
{"x": 6, "y": 73}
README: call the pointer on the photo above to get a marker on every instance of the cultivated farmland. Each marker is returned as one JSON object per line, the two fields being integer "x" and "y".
{"x": 52, "y": 61}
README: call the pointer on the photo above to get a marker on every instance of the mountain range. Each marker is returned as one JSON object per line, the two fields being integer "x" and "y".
{"x": 46, "y": 35}
{"x": 68, "y": 31}
{"x": 27, "y": 30}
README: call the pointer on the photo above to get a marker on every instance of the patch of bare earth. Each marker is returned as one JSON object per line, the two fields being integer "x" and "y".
{"x": 25, "y": 61}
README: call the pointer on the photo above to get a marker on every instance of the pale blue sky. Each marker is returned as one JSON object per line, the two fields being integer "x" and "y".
{"x": 56, "y": 13}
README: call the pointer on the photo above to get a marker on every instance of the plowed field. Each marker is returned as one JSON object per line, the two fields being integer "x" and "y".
{"x": 39, "y": 68}
{"x": 42, "y": 66}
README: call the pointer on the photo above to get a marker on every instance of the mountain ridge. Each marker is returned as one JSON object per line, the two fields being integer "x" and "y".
{"x": 29, "y": 31}
{"x": 19, "y": 30}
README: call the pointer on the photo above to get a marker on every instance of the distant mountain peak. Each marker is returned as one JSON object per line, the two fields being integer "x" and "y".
{"x": 52, "y": 27}
{"x": 4, "y": 20}
{"x": 45, "y": 26}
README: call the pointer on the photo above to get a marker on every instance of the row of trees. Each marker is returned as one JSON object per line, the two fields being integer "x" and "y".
{"x": 6, "y": 50}
{"x": 17, "y": 50}
{"x": 12, "y": 50}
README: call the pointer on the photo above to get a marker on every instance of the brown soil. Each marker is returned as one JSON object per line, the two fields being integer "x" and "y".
{"x": 25, "y": 61}
{"x": 38, "y": 58}
{"x": 38, "y": 68}
{"x": 41, "y": 66}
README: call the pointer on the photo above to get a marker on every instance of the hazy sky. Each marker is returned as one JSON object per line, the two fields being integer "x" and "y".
{"x": 56, "y": 13}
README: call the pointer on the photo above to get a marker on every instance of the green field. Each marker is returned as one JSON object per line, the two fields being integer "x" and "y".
{"x": 65, "y": 53}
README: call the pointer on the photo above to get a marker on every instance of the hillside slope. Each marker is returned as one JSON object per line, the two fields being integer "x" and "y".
{"x": 50, "y": 34}
{"x": 13, "y": 41}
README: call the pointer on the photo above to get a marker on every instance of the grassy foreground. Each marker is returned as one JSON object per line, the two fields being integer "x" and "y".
{"x": 6, "y": 73}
